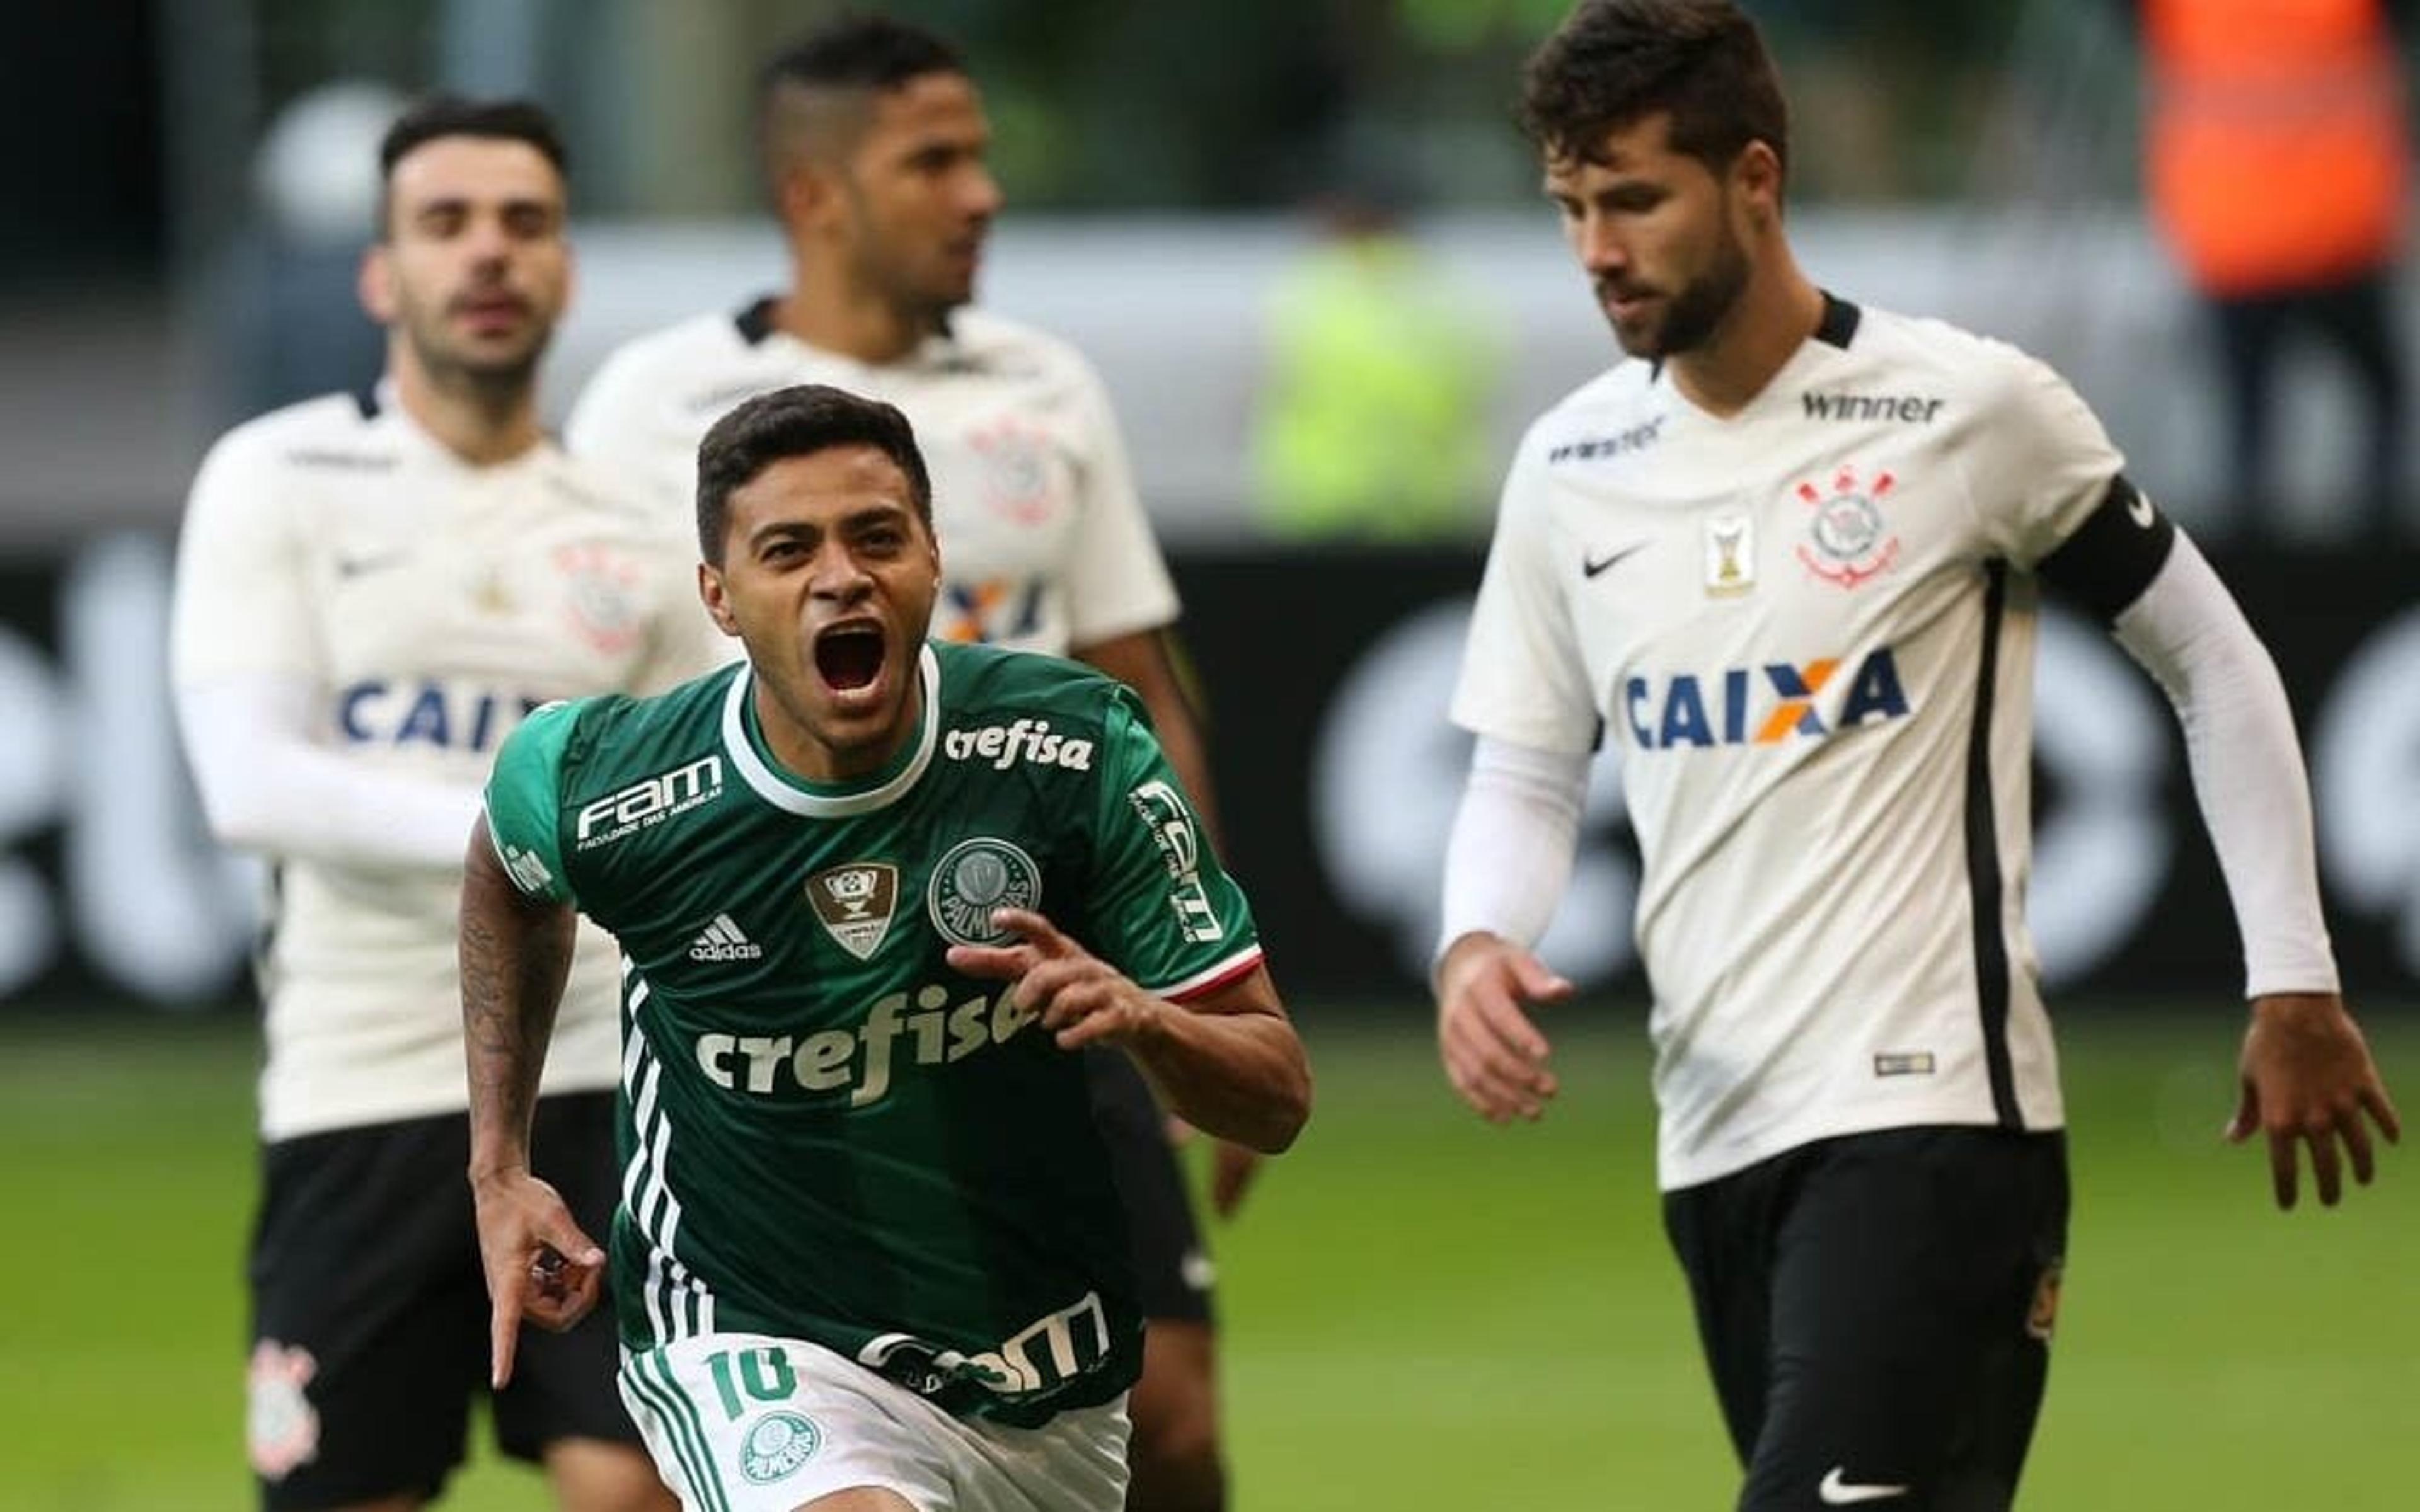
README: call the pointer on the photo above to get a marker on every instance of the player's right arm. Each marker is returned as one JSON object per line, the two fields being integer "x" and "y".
{"x": 1507, "y": 863}
{"x": 1523, "y": 691}
{"x": 251, "y": 690}
{"x": 517, "y": 931}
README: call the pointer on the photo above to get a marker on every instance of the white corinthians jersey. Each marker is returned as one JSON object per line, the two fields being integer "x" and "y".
{"x": 1810, "y": 627}
{"x": 432, "y": 603}
{"x": 1044, "y": 546}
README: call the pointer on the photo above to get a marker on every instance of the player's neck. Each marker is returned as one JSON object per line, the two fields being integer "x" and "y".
{"x": 1777, "y": 313}
{"x": 481, "y": 424}
{"x": 791, "y": 739}
{"x": 832, "y": 315}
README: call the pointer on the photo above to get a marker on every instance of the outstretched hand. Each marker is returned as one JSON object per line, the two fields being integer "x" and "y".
{"x": 2308, "y": 1079}
{"x": 1493, "y": 1053}
{"x": 1079, "y": 997}
{"x": 540, "y": 1267}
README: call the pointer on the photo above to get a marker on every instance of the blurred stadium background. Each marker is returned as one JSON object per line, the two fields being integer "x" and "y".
{"x": 1423, "y": 1312}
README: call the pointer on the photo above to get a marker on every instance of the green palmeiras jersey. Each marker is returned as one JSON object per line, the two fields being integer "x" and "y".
{"x": 827, "y": 1133}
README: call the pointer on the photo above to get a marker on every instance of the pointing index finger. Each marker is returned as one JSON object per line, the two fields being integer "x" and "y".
{"x": 503, "y": 1334}
{"x": 1043, "y": 934}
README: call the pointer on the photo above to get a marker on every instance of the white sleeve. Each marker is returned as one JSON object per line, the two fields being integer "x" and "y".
{"x": 2035, "y": 458}
{"x": 267, "y": 785}
{"x": 1117, "y": 581}
{"x": 241, "y": 603}
{"x": 623, "y": 427}
{"x": 597, "y": 427}
{"x": 1523, "y": 678}
{"x": 1510, "y": 856}
{"x": 2247, "y": 766}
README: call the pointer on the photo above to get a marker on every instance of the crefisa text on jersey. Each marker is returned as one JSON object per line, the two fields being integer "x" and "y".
{"x": 859, "y": 1062}
{"x": 1026, "y": 740}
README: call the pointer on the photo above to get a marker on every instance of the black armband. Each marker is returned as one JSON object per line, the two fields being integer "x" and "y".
{"x": 2113, "y": 555}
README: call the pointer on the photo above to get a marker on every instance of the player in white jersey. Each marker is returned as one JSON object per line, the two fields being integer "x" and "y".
{"x": 371, "y": 592}
{"x": 1788, "y": 563}
{"x": 873, "y": 139}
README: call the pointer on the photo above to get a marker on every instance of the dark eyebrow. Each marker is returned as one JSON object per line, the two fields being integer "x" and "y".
{"x": 460, "y": 204}
{"x": 881, "y": 512}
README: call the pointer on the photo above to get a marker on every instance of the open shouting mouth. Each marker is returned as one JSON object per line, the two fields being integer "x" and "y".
{"x": 850, "y": 656}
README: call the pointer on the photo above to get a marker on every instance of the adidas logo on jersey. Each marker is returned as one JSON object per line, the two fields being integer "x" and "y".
{"x": 723, "y": 940}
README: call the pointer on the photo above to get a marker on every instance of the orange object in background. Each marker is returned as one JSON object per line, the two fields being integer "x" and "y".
{"x": 2275, "y": 149}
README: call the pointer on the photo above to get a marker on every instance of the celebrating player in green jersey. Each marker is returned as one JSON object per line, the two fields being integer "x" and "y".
{"x": 870, "y": 890}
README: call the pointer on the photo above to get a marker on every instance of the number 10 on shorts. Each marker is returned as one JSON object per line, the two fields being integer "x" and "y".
{"x": 763, "y": 1374}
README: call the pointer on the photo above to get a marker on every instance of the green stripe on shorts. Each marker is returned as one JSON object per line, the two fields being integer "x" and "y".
{"x": 681, "y": 1425}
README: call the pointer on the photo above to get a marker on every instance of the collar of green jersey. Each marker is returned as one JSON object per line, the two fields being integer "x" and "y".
{"x": 743, "y": 736}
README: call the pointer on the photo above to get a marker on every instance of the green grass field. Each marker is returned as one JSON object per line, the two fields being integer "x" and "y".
{"x": 1422, "y": 1312}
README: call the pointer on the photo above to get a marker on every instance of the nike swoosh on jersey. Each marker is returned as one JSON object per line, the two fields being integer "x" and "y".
{"x": 1839, "y": 1490}
{"x": 1590, "y": 566}
{"x": 2138, "y": 509}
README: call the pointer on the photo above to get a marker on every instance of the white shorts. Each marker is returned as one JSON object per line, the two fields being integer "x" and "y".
{"x": 746, "y": 1422}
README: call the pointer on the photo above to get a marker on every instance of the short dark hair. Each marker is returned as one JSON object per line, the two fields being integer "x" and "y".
{"x": 796, "y": 422}
{"x": 443, "y": 115}
{"x": 1613, "y": 63}
{"x": 841, "y": 63}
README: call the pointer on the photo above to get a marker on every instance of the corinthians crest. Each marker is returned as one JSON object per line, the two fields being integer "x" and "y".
{"x": 1848, "y": 540}
{"x": 602, "y": 596}
{"x": 855, "y": 903}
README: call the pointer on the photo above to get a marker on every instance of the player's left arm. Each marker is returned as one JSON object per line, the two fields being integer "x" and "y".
{"x": 1122, "y": 611}
{"x": 1143, "y": 661}
{"x": 2050, "y": 496}
{"x": 1170, "y": 967}
{"x": 1225, "y": 1059}
{"x": 2306, "y": 1076}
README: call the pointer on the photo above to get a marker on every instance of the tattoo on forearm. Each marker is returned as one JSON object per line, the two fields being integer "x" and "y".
{"x": 514, "y": 961}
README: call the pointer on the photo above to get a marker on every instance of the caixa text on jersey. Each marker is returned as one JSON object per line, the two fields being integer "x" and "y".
{"x": 1760, "y": 706}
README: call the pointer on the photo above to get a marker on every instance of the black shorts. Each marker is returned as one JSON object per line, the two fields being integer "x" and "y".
{"x": 1876, "y": 1310}
{"x": 1172, "y": 1271}
{"x": 370, "y": 1310}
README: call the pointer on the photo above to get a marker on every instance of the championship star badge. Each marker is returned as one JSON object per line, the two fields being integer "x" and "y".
{"x": 854, "y": 904}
